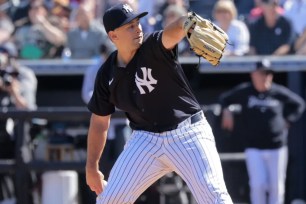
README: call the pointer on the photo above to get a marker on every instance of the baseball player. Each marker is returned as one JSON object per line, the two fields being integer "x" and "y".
{"x": 144, "y": 79}
{"x": 267, "y": 110}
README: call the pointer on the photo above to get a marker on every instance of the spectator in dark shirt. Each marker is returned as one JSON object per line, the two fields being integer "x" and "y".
{"x": 272, "y": 33}
{"x": 267, "y": 110}
{"x": 257, "y": 11}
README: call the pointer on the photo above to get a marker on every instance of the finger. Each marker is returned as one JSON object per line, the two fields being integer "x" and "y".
{"x": 99, "y": 187}
{"x": 97, "y": 190}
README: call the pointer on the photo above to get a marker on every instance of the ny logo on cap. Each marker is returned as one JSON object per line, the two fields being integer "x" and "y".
{"x": 127, "y": 8}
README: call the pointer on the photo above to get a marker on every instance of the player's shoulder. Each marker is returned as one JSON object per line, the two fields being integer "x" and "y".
{"x": 153, "y": 44}
{"x": 106, "y": 69}
{"x": 153, "y": 36}
{"x": 245, "y": 86}
{"x": 280, "y": 89}
{"x": 240, "y": 89}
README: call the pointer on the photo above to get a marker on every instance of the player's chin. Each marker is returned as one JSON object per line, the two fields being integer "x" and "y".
{"x": 138, "y": 41}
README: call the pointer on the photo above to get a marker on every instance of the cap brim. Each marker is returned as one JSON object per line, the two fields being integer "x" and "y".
{"x": 266, "y": 70}
{"x": 140, "y": 15}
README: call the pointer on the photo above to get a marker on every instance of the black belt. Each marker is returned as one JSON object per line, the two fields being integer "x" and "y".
{"x": 193, "y": 119}
{"x": 196, "y": 117}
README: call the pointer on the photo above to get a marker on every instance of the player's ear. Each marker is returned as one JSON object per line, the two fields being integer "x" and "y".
{"x": 112, "y": 35}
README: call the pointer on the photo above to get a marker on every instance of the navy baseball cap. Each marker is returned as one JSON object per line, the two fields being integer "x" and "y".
{"x": 264, "y": 65}
{"x": 275, "y": 2}
{"x": 119, "y": 15}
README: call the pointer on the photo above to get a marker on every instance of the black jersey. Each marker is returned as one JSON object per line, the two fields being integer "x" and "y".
{"x": 152, "y": 89}
{"x": 265, "y": 114}
{"x": 266, "y": 40}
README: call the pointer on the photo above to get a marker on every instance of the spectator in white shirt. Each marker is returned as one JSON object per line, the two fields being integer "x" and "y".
{"x": 295, "y": 11}
{"x": 225, "y": 15}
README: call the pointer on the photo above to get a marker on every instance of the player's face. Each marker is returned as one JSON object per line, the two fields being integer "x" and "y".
{"x": 130, "y": 35}
{"x": 261, "y": 80}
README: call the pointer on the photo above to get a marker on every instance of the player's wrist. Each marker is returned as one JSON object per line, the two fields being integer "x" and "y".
{"x": 188, "y": 23}
{"x": 92, "y": 166}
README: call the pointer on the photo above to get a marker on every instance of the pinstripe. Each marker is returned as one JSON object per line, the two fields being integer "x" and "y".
{"x": 191, "y": 174}
{"x": 118, "y": 170}
{"x": 205, "y": 192}
{"x": 139, "y": 168}
{"x": 151, "y": 159}
{"x": 196, "y": 163}
{"x": 212, "y": 164}
{"x": 136, "y": 162}
{"x": 199, "y": 189}
{"x": 216, "y": 161}
{"x": 195, "y": 180}
{"x": 130, "y": 190}
{"x": 215, "y": 166}
{"x": 181, "y": 162}
{"x": 201, "y": 157}
{"x": 148, "y": 181}
{"x": 208, "y": 179}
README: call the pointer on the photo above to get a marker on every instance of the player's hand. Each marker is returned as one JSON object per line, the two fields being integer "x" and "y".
{"x": 94, "y": 179}
{"x": 205, "y": 38}
{"x": 227, "y": 121}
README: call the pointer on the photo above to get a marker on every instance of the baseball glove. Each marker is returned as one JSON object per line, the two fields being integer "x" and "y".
{"x": 206, "y": 39}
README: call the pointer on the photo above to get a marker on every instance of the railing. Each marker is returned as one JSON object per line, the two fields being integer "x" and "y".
{"x": 22, "y": 164}
{"x": 227, "y": 65}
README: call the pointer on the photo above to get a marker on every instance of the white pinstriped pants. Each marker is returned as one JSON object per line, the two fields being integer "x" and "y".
{"x": 267, "y": 173}
{"x": 189, "y": 150}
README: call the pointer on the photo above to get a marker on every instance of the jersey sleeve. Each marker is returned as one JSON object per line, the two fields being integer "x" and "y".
{"x": 232, "y": 96}
{"x": 99, "y": 103}
{"x": 154, "y": 40}
{"x": 294, "y": 105}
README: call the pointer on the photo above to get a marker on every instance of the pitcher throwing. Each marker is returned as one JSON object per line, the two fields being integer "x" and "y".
{"x": 144, "y": 79}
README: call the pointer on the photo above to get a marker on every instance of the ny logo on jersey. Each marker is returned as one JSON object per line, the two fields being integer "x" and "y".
{"x": 147, "y": 80}
{"x": 127, "y": 8}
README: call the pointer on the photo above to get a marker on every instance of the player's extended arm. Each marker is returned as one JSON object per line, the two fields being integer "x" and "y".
{"x": 174, "y": 33}
{"x": 97, "y": 134}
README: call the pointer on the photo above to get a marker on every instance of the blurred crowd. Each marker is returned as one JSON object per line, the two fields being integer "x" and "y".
{"x": 48, "y": 29}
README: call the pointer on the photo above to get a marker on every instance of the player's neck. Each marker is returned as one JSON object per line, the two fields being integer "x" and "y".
{"x": 123, "y": 58}
{"x": 263, "y": 87}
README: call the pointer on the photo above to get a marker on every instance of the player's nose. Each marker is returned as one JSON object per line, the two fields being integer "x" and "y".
{"x": 138, "y": 29}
